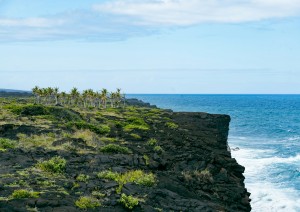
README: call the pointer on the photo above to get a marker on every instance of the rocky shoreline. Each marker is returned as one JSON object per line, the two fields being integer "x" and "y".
{"x": 193, "y": 169}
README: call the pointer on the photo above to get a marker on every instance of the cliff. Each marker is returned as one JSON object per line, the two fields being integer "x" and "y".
{"x": 165, "y": 161}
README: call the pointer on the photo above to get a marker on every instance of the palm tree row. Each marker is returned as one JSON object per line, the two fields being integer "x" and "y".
{"x": 87, "y": 98}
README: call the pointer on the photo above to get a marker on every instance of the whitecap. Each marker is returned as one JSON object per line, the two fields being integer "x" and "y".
{"x": 268, "y": 198}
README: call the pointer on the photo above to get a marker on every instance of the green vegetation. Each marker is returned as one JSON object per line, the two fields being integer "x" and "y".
{"x": 98, "y": 194}
{"x": 158, "y": 149}
{"x": 171, "y": 125}
{"x": 22, "y": 193}
{"x": 87, "y": 203}
{"x": 135, "y": 136}
{"x": 137, "y": 176}
{"x": 152, "y": 142}
{"x": 135, "y": 123}
{"x": 83, "y": 178}
{"x": 114, "y": 148}
{"x": 129, "y": 201}
{"x": 99, "y": 129}
{"x": 147, "y": 159}
{"x": 55, "y": 165}
{"x": 203, "y": 176}
{"x": 7, "y": 144}
{"x": 87, "y": 99}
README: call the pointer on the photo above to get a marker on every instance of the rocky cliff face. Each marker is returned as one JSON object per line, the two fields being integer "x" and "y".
{"x": 193, "y": 168}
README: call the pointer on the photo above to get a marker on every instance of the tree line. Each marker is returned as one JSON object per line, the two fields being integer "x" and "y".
{"x": 86, "y": 98}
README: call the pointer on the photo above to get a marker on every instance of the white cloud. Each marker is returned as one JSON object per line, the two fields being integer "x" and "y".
{"x": 189, "y": 12}
{"x": 121, "y": 19}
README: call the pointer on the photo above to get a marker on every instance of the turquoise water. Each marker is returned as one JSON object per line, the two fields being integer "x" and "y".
{"x": 266, "y": 128}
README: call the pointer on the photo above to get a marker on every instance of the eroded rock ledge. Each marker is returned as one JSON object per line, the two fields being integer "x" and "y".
{"x": 194, "y": 170}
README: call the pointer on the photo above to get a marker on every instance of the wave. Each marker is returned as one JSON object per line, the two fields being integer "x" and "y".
{"x": 268, "y": 198}
{"x": 268, "y": 192}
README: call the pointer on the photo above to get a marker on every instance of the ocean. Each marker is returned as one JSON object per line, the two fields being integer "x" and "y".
{"x": 266, "y": 129}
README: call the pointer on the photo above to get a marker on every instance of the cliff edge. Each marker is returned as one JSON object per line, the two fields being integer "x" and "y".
{"x": 147, "y": 158}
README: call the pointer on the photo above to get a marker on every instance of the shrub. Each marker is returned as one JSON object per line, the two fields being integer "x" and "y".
{"x": 99, "y": 129}
{"x": 130, "y": 127}
{"x": 54, "y": 165}
{"x": 87, "y": 202}
{"x": 135, "y": 123}
{"x": 203, "y": 175}
{"x": 147, "y": 159}
{"x": 7, "y": 144}
{"x": 135, "y": 136}
{"x": 98, "y": 194}
{"x": 108, "y": 175}
{"x": 152, "y": 142}
{"x": 114, "y": 148}
{"x": 34, "y": 110}
{"x": 158, "y": 149}
{"x": 129, "y": 201}
{"x": 171, "y": 125}
{"x": 82, "y": 178}
{"x": 137, "y": 176}
{"x": 22, "y": 193}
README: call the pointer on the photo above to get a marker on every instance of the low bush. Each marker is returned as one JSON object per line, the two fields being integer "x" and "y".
{"x": 135, "y": 136}
{"x": 136, "y": 176}
{"x": 55, "y": 165}
{"x": 129, "y": 201}
{"x": 171, "y": 125}
{"x": 87, "y": 203}
{"x": 108, "y": 175}
{"x": 82, "y": 178}
{"x": 158, "y": 149}
{"x": 99, "y": 129}
{"x": 22, "y": 193}
{"x": 7, "y": 144}
{"x": 152, "y": 142}
{"x": 114, "y": 148}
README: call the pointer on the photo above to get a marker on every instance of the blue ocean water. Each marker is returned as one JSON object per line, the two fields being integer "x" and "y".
{"x": 266, "y": 128}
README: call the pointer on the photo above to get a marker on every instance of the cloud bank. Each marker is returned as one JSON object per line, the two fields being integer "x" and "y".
{"x": 121, "y": 19}
{"x": 190, "y": 12}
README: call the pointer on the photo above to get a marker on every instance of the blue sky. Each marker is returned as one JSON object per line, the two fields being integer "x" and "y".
{"x": 152, "y": 46}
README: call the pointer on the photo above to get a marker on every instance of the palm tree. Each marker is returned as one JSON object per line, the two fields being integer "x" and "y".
{"x": 63, "y": 97}
{"x": 36, "y": 93}
{"x": 104, "y": 93}
{"x": 74, "y": 95}
{"x": 118, "y": 97}
{"x": 56, "y": 95}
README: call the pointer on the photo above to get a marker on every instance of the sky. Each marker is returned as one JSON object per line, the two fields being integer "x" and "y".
{"x": 152, "y": 46}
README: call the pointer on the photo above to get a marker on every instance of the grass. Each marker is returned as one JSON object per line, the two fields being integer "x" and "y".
{"x": 171, "y": 125}
{"x": 203, "y": 176}
{"x": 86, "y": 202}
{"x": 158, "y": 149}
{"x": 152, "y": 142}
{"x": 98, "y": 129}
{"x": 136, "y": 176}
{"x": 83, "y": 178}
{"x": 135, "y": 123}
{"x": 43, "y": 140}
{"x": 7, "y": 144}
{"x": 114, "y": 148}
{"x": 55, "y": 165}
{"x": 135, "y": 136}
{"x": 147, "y": 159}
{"x": 108, "y": 175}
{"x": 22, "y": 193}
{"x": 98, "y": 194}
{"x": 129, "y": 201}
